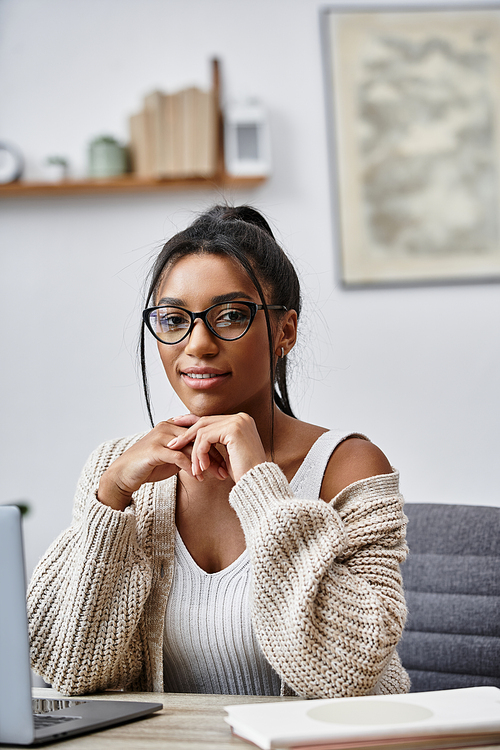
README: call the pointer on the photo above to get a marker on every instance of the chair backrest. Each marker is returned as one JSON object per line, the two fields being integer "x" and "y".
{"x": 452, "y": 585}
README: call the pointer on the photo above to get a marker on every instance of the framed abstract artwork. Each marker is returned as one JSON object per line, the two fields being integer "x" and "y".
{"x": 415, "y": 134}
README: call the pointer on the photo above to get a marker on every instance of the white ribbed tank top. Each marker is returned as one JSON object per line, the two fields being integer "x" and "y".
{"x": 208, "y": 643}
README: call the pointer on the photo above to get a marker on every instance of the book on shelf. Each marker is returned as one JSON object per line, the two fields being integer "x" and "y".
{"x": 187, "y": 129}
{"x": 156, "y": 132}
{"x": 169, "y": 167}
{"x": 205, "y": 145}
{"x": 465, "y": 717}
{"x": 175, "y": 135}
{"x": 140, "y": 144}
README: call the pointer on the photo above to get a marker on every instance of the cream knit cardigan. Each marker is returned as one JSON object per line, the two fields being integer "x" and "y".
{"x": 328, "y": 607}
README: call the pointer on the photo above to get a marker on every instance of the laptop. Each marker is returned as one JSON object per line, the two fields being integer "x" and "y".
{"x": 24, "y": 721}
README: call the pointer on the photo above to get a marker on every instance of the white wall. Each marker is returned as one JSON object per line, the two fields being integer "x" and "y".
{"x": 417, "y": 369}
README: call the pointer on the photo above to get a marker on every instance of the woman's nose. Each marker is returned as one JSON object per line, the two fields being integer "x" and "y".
{"x": 201, "y": 341}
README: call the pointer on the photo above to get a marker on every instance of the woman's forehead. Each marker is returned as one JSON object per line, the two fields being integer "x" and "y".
{"x": 205, "y": 276}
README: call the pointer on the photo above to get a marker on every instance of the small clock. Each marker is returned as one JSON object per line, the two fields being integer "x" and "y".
{"x": 11, "y": 163}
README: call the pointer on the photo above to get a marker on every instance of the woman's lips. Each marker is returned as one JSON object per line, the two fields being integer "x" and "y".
{"x": 201, "y": 380}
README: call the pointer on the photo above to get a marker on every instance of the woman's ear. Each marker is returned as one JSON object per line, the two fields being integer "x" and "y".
{"x": 286, "y": 333}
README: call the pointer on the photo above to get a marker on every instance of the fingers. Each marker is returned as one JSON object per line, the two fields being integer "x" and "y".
{"x": 204, "y": 455}
{"x": 201, "y": 455}
{"x": 236, "y": 432}
{"x": 185, "y": 420}
{"x": 154, "y": 452}
{"x": 181, "y": 459}
{"x": 191, "y": 432}
{"x": 210, "y": 460}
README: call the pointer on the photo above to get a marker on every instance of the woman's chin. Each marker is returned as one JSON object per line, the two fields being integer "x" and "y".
{"x": 201, "y": 406}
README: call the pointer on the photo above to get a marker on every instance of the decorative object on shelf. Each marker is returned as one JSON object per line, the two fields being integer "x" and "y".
{"x": 11, "y": 163}
{"x": 247, "y": 148}
{"x": 107, "y": 158}
{"x": 56, "y": 169}
{"x": 415, "y": 128}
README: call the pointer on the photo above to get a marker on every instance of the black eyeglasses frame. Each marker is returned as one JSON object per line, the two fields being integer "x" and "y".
{"x": 253, "y": 307}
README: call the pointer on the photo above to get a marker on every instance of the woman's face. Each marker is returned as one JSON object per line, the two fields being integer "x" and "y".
{"x": 236, "y": 373}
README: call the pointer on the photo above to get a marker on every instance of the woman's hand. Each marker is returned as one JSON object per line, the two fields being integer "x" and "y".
{"x": 152, "y": 459}
{"x": 236, "y": 432}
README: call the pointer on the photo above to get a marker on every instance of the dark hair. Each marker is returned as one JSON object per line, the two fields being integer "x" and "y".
{"x": 241, "y": 233}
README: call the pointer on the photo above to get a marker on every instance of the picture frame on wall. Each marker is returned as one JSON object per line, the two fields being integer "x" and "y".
{"x": 414, "y": 128}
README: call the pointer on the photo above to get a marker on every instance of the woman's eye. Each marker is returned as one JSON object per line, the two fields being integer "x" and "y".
{"x": 231, "y": 318}
{"x": 167, "y": 321}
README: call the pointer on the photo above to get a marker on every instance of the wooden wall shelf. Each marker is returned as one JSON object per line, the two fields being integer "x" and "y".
{"x": 125, "y": 184}
{"x": 131, "y": 183}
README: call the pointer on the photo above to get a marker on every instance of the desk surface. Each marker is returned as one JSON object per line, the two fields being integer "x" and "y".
{"x": 187, "y": 722}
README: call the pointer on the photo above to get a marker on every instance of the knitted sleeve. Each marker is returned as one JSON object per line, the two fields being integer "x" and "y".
{"x": 328, "y": 606}
{"x": 87, "y": 593}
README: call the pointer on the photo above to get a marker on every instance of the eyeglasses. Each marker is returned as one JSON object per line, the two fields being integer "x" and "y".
{"x": 228, "y": 321}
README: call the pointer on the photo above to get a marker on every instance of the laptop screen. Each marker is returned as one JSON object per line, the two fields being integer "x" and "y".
{"x": 16, "y": 717}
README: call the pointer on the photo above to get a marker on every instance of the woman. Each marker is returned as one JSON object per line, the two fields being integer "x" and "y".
{"x": 234, "y": 549}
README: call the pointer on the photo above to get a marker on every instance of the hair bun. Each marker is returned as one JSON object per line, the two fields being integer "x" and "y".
{"x": 241, "y": 213}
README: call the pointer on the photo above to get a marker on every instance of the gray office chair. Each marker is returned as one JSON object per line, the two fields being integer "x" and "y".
{"x": 452, "y": 584}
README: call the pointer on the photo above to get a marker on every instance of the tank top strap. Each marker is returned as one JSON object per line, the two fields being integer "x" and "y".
{"x": 308, "y": 479}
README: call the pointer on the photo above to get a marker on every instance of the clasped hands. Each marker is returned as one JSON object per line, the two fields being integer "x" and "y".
{"x": 184, "y": 443}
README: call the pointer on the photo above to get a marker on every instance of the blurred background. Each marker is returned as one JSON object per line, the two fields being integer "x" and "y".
{"x": 416, "y": 368}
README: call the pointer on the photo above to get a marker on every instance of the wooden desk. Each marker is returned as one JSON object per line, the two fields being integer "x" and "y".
{"x": 187, "y": 722}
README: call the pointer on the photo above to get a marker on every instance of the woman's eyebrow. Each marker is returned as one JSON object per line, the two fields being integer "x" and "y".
{"x": 230, "y": 297}
{"x": 171, "y": 301}
{"x": 215, "y": 300}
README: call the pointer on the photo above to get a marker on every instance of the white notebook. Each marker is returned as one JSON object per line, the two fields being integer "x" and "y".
{"x": 444, "y": 718}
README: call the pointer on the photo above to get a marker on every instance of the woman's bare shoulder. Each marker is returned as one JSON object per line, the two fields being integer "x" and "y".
{"x": 354, "y": 459}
